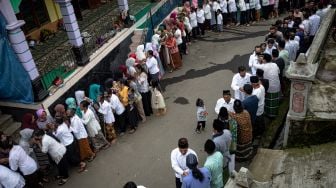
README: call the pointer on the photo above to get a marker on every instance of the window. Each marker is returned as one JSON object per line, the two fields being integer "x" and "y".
{"x": 34, "y": 13}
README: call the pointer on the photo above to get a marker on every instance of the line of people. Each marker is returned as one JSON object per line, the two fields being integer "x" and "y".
{"x": 241, "y": 118}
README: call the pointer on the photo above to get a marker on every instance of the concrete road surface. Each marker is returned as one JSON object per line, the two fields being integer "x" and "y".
{"x": 144, "y": 157}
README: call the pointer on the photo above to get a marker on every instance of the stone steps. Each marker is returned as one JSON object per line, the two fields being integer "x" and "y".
{"x": 9, "y": 126}
{"x": 136, "y": 39}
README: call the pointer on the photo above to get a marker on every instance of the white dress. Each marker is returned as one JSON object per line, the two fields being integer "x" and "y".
{"x": 91, "y": 123}
{"x": 157, "y": 99}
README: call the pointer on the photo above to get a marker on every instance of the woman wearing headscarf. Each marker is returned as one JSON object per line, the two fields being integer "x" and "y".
{"x": 244, "y": 148}
{"x": 43, "y": 119}
{"x": 71, "y": 104}
{"x": 94, "y": 92}
{"x": 175, "y": 57}
{"x": 140, "y": 53}
{"x": 198, "y": 177}
{"x": 93, "y": 127}
{"x": 28, "y": 122}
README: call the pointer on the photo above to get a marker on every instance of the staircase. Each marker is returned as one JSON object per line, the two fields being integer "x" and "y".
{"x": 9, "y": 126}
{"x": 137, "y": 39}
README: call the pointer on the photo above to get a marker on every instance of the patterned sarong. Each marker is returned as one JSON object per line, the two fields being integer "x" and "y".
{"x": 244, "y": 152}
{"x": 272, "y": 102}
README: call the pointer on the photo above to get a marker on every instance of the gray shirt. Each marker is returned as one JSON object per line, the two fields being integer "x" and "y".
{"x": 223, "y": 141}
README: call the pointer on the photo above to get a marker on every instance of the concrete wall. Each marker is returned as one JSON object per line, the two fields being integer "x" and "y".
{"x": 105, "y": 69}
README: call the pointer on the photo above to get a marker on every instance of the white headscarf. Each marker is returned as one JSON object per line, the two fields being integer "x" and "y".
{"x": 130, "y": 62}
{"x": 148, "y": 47}
{"x": 80, "y": 96}
{"x": 140, "y": 55}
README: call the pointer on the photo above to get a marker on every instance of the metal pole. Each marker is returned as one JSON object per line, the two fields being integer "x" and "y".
{"x": 150, "y": 13}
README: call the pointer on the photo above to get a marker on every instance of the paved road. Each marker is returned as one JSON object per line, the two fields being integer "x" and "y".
{"x": 144, "y": 157}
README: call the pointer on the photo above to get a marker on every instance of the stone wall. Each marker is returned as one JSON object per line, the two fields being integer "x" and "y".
{"x": 305, "y": 133}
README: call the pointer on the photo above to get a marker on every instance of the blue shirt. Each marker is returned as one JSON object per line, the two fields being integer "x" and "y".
{"x": 190, "y": 182}
{"x": 251, "y": 105}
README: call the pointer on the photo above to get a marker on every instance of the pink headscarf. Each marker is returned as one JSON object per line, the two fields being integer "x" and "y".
{"x": 39, "y": 112}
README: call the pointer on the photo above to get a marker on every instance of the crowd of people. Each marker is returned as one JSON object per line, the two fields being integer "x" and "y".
{"x": 257, "y": 92}
{"x": 82, "y": 126}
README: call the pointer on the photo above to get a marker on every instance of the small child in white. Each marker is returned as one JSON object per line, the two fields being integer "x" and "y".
{"x": 201, "y": 115}
{"x": 158, "y": 103}
{"x": 219, "y": 21}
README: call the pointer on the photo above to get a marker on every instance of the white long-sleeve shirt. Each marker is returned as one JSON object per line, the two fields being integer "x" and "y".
{"x": 253, "y": 60}
{"x": 224, "y": 6}
{"x": 63, "y": 133}
{"x": 19, "y": 159}
{"x": 116, "y": 105}
{"x": 92, "y": 124}
{"x": 271, "y": 72}
{"x": 260, "y": 93}
{"x": 193, "y": 19}
{"x": 55, "y": 149}
{"x": 314, "y": 24}
{"x": 207, "y": 12}
{"x": 106, "y": 109}
{"x": 306, "y": 24}
{"x": 78, "y": 128}
{"x": 232, "y": 6}
{"x": 200, "y": 16}
{"x": 152, "y": 65}
{"x": 10, "y": 179}
{"x": 178, "y": 161}
{"x": 238, "y": 82}
{"x": 222, "y": 103}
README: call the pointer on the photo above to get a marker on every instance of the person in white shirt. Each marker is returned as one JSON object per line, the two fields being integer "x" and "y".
{"x": 238, "y": 81}
{"x": 233, "y": 11}
{"x": 224, "y": 9}
{"x": 314, "y": 20}
{"x": 56, "y": 151}
{"x": 306, "y": 24}
{"x": 214, "y": 8}
{"x": 105, "y": 108}
{"x": 119, "y": 111}
{"x": 178, "y": 160}
{"x": 178, "y": 36}
{"x": 207, "y": 14}
{"x": 193, "y": 23}
{"x": 252, "y": 13}
{"x": 243, "y": 12}
{"x": 79, "y": 131}
{"x": 219, "y": 21}
{"x": 226, "y": 101}
{"x": 254, "y": 59}
{"x": 200, "y": 20}
{"x": 10, "y": 179}
{"x": 64, "y": 134}
{"x": 152, "y": 66}
{"x": 271, "y": 72}
{"x": 295, "y": 45}
{"x": 259, "y": 91}
{"x": 19, "y": 160}
{"x": 270, "y": 46}
{"x": 93, "y": 127}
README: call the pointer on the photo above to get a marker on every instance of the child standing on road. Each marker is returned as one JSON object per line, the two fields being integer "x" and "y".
{"x": 201, "y": 115}
{"x": 158, "y": 103}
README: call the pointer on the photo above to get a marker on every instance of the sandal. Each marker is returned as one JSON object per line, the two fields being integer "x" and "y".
{"x": 62, "y": 182}
{"x": 92, "y": 158}
{"x": 82, "y": 168}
